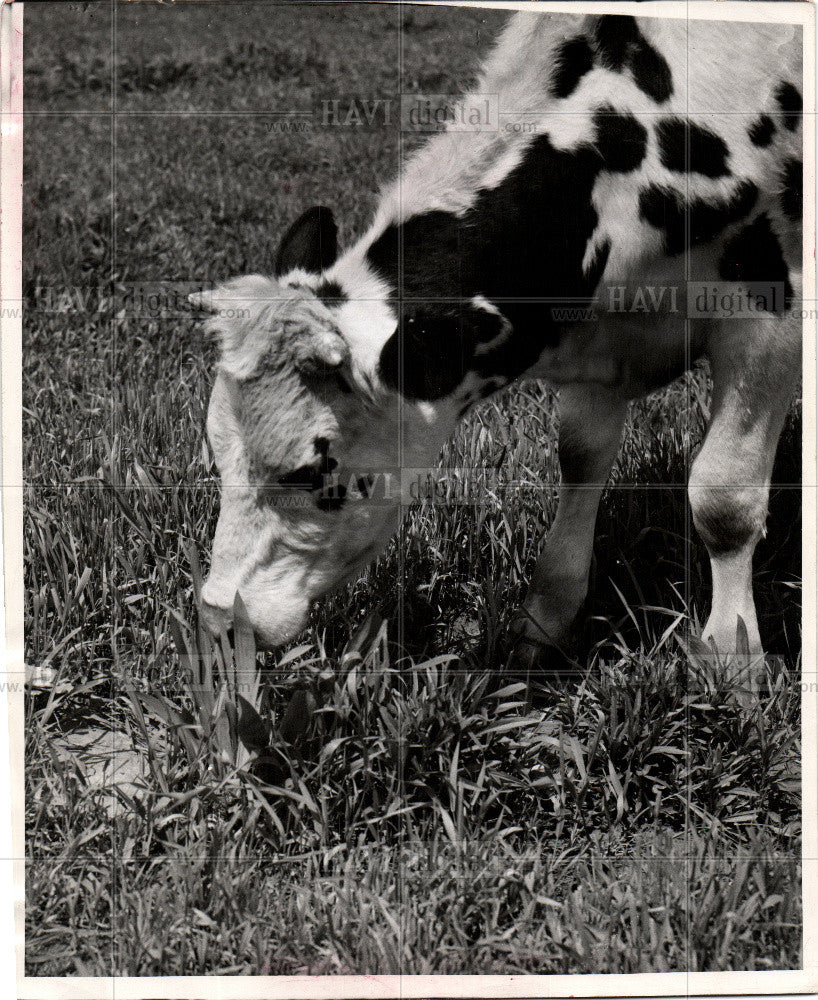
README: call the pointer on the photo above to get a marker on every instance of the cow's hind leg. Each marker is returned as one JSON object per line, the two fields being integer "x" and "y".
{"x": 756, "y": 368}
{"x": 591, "y": 421}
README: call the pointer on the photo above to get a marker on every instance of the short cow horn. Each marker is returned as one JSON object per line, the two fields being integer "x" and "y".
{"x": 313, "y": 349}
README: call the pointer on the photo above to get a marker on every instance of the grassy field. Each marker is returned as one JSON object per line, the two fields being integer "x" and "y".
{"x": 381, "y": 797}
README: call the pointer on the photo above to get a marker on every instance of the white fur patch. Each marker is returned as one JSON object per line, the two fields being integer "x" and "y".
{"x": 366, "y": 320}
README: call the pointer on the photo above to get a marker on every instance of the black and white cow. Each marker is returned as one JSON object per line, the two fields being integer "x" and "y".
{"x": 657, "y": 154}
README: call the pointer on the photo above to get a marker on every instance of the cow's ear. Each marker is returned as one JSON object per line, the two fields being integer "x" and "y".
{"x": 311, "y": 243}
{"x": 238, "y": 307}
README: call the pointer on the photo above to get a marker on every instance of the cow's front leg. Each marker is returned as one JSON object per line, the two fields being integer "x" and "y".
{"x": 591, "y": 421}
{"x": 756, "y": 368}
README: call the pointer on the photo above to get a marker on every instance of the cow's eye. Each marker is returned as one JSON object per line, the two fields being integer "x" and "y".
{"x": 320, "y": 381}
{"x": 343, "y": 383}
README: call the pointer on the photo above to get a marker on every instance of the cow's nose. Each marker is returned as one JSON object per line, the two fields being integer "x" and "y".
{"x": 217, "y": 620}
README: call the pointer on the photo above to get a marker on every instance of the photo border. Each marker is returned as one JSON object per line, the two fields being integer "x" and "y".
{"x": 805, "y": 980}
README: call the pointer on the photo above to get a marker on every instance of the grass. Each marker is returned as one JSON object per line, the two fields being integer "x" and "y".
{"x": 382, "y": 796}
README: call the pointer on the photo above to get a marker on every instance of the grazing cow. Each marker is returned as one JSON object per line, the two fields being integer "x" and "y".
{"x": 638, "y": 164}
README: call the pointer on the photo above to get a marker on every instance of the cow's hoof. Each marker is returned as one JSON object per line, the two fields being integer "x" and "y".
{"x": 739, "y": 674}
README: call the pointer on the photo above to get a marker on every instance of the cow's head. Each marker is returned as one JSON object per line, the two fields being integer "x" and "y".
{"x": 307, "y": 440}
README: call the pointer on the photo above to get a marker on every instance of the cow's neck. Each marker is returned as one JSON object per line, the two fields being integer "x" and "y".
{"x": 479, "y": 290}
